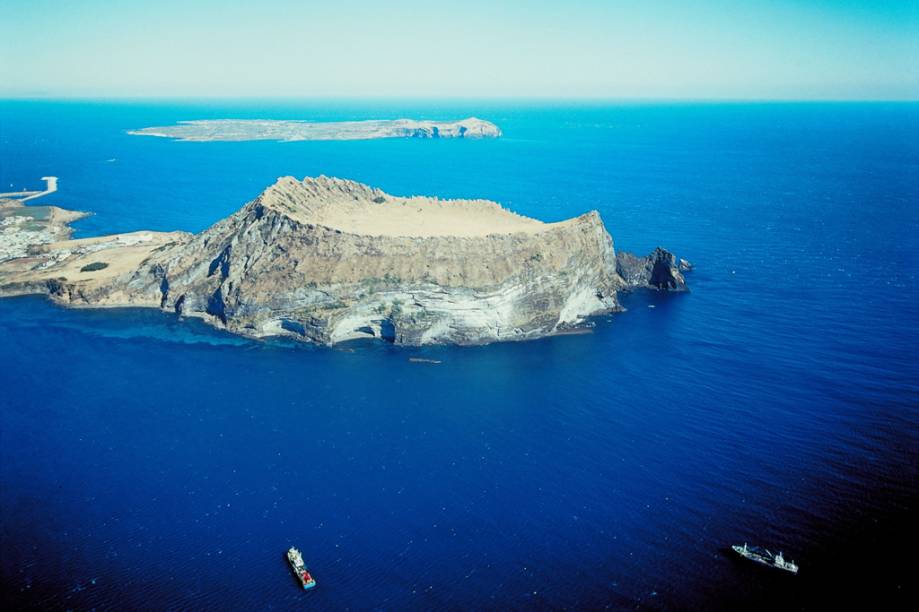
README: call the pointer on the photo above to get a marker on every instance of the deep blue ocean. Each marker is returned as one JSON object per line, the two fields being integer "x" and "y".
{"x": 148, "y": 462}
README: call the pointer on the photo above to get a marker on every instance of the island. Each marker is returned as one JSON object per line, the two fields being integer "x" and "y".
{"x": 237, "y": 130}
{"x": 327, "y": 260}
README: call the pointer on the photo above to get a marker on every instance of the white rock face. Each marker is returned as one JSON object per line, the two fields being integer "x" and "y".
{"x": 328, "y": 260}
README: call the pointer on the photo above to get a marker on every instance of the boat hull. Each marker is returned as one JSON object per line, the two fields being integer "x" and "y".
{"x": 765, "y": 559}
{"x": 295, "y": 559}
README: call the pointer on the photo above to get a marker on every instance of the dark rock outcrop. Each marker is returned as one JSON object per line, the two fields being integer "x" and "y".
{"x": 660, "y": 271}
{"x": 328, "y": 260}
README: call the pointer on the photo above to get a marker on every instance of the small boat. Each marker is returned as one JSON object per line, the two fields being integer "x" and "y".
{"x": 296, "y": 563}
{"x": 763, "y": 556}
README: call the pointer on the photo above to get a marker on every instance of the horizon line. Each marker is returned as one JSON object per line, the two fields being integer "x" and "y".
{"x": 445, "y": 98}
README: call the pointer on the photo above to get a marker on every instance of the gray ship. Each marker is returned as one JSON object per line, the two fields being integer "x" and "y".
{"x": 761, "y": 555}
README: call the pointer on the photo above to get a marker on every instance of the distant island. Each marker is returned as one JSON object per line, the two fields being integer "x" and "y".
{"x": 327, "y": 260}
{"x": 207, "y": 130}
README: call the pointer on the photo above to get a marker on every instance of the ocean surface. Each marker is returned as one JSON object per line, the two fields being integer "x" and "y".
{"x": 152, "y": 463}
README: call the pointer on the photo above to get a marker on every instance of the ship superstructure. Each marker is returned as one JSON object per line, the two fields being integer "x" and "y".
{"x": 763, "y": 556}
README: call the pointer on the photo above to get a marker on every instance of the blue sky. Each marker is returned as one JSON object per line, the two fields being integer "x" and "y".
{"x": 709, "y": 49}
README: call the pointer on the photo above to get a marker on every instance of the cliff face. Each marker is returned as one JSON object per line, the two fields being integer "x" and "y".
{"x": 329, "y": 260}
{"x": 659, "y": 270}
{"x": 325, "y": 259}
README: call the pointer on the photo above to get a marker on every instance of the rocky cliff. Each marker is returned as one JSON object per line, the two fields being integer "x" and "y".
{"x": 329, "y": 260}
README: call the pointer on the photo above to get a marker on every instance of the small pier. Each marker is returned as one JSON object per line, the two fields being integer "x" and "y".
{"x": 25, "y": 196}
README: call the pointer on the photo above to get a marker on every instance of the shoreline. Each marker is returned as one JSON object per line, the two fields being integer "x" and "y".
{"x": 327, "y": 260}
{"x": 286, "y": 130}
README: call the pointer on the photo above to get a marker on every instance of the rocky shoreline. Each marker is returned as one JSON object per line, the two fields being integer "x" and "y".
{"x": 328, "y": 260}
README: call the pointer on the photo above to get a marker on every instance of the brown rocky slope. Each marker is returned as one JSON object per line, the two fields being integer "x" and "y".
{"x": 329, "y": 260}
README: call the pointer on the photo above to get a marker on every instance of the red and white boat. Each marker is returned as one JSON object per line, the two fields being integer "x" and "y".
{"x": 296, "y": 563}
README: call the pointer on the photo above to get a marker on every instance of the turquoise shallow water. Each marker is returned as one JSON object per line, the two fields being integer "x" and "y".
{"x": 153, "y": 463}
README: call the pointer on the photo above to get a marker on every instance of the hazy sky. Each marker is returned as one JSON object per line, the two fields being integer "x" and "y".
{"x": 591, "y": 48}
